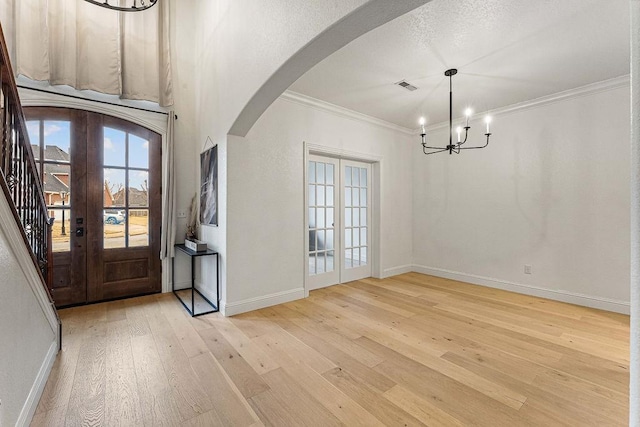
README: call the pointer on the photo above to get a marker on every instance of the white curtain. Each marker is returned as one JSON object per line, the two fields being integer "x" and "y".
{"x": 168, "y": 238}
{"x": 76, "y": 43}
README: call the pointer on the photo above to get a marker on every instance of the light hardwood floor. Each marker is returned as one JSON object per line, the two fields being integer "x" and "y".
{"x": 408, "y": 350}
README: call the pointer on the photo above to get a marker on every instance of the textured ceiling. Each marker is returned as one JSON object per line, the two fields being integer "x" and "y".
{"x": 506, "y": 51}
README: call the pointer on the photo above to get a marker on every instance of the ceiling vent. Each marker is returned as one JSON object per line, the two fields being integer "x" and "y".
{"x": 407, "y": 86}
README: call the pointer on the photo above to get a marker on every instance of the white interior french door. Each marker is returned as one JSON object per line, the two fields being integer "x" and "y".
{"x": 356, "y": 220}
{"x": 338, "y": 221}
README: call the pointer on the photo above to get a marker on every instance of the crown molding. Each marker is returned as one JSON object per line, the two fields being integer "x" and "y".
{"x": 586, "y": 90}
{"x": 308, "y": 101}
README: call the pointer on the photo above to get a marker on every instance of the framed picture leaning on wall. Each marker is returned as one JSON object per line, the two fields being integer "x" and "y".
{"x": 209, "y": 186}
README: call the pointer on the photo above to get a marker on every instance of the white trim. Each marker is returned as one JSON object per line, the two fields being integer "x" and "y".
{"x": 586, "y": 90}
{"x": 152, "y": 121}
{"x": 394, "y": 271}
{"x": 321, "y": 150}
{"x": 553, "y": 294}
{"x": 23, "y": 257}
{"x": 250, "y": 304}
{"x": 318, "y": 104}
{"x": 31, "y": 404}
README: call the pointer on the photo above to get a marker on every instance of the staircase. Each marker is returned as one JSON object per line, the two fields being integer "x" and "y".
{"x": 19, "y": 177}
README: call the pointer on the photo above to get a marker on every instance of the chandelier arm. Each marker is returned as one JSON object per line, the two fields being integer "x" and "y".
{"x": 466, "y": 134}
{"x": 440, "y": 150}
{"x": 424, "y": 144}
{"x": 481, "y": 146}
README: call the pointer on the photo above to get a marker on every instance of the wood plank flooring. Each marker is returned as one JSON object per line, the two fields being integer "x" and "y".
{"x": 408, "y": 350}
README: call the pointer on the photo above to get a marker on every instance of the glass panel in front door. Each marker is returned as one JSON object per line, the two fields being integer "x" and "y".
{"x": 50, "y": 143}
{"x": 321, "y": 207}
{"x": 355, "y": 216}
{"x": 126, "y": 190}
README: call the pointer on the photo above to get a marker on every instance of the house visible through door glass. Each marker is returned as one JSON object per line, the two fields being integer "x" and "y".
{"x": 126, "y": 189}
{"x": 50, "y": 143}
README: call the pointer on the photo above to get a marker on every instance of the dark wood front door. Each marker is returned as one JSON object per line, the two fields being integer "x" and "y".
{"x": 102, "y": 180}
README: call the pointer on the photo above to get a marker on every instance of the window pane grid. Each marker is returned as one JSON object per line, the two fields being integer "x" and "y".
{"x": 126, "y": 189}
{"x": 355, "y": 216}
{"x": 321, "y": 193}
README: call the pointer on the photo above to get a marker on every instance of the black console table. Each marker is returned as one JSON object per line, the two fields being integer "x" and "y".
{"x": 199, "y": 303}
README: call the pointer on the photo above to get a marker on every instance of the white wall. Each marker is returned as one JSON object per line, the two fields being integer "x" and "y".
{"x": 265, "y": 196}
{"x": 241, "y": 43}
{"x": 238, "y": 45}
{"x": 27, "y": 336}
{"x": 551, "y": 191}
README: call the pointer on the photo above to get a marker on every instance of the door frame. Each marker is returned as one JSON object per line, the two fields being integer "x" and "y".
{"x": 376, "y": 192}
{"x": 154, "y": 121}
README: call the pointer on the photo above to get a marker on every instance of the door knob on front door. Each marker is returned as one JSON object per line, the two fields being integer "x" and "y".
{"x": 79, "y": 231}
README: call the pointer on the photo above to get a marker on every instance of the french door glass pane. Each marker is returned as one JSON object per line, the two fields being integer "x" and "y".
{"x": 329, "y": 261}
{"x": 312, "y": 264}
{"x": 138, "y": 188}
{"x": 61, "y": 231}
{"x": 329, "y": 201}
{"x": 114, "y": 184}
{"x": 320, "y": 218}
{"x": 115, "y": 149}
{"x": 321, "y": 241}
{"x": 57, "y": 140}
{"x": 115, "y": 226}
{"x": 57, "y": 184}
{"x": 312, "y": 172}
{"x": 321, "y": 194}
{"x": 312, "y": 217}
{"x": 355, "y": 216}
{"x": 138, "y": 227}
{"x": 312, "y": 241}
{"x": 320, "y": 173}
{"x": 320, "y": 266}
{"x": 320, "y": 198}
{"x": 138, "y": 152}
{"x": 312, "y": 195}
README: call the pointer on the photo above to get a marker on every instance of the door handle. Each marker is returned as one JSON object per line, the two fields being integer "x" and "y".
{"x": 79, "y": 231}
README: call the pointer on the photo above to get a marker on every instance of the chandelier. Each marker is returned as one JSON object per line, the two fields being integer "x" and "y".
{"x": 125, "y": 6}
{"x": 458, "y": 146}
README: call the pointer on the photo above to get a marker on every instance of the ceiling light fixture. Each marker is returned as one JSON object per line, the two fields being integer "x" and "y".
{"x": 125, "y": 6}
{"x": 457, "y": 147}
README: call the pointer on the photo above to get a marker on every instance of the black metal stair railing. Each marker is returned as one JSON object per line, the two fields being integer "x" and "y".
{"x": 19, "y": 177}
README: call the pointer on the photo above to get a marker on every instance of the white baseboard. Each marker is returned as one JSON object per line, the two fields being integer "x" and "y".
{"x": 233, "y": 308}
{"x": 553, "y": 294}
{"x": 30, "y": 405}
{"x": 394, "y": 271}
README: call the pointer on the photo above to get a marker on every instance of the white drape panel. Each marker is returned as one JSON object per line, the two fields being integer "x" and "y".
{"x": 168, "y": 239}
{"x": 75, "y": 43}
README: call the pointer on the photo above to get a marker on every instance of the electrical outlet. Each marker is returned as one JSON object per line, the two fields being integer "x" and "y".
{"x": 182, "y": 214}
{"x": 527, "y": 269}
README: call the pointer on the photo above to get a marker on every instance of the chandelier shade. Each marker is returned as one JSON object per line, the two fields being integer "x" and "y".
{"x": 126, "y": 5}
{"x": 458, "y": 146}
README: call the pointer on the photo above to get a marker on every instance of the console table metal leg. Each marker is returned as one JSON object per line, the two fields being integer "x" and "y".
{"x": 193, "y": 285}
